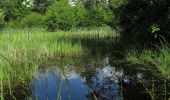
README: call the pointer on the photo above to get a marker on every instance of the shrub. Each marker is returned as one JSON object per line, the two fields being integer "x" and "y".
{"x": 60, "y": 15}
{"x": 80, "y": 16}
{"x": 99, "y": 13}
{"x": 136, "y": 18}
{"x": 2, "y": 21}
{"x": 32, "y": 19}
{"x": 41, "y": 6}
{"x": 10, "y": 9}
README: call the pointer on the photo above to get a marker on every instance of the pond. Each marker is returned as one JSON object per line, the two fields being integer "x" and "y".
{"x": 88, "y": 79}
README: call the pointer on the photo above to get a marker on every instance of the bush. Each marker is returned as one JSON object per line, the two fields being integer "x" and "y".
{"x": 41, "y": 6}
{"x": 98, "y": 13}
{"x": 2, "y": 21}
{"x": 10, "y": 9}
{"x": 32, "y": 19}
{"x": 137, "y": 18}
{"x": 80, "y": 16}
{"x": 60, "y": 15}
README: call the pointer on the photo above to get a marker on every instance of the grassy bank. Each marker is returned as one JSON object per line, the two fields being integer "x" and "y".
{"x": 157, "y": 63}
{"x": 159, "y": 59}
{"x": 23, "y": 50}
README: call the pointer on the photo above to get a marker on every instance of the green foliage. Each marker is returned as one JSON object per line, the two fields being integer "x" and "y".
{"x": 23, "y": 11}
{"x": 114, "y": 4}
{"x": 154, "y": 30}
{"x": 13, "y": 9}
{"x": 41, "y": 6}
{"x": 98, "y": 13}
{"x": 136, "y": 17}
{"x": 148, "y": 58}
{"x": 60, "y": 15}
{"x": 10, "y": 8}
{"x": 31, "y": 20}
{"x": 80, "y": 16}
{"x": 2, "y": 21}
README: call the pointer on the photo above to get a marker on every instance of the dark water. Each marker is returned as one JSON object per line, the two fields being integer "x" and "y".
{"x": 87, "y": 80}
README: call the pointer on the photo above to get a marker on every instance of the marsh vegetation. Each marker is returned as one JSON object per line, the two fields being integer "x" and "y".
{"x": 84, "y": 50}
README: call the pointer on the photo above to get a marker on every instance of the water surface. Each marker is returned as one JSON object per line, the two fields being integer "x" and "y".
{"x": 87, "y": 79}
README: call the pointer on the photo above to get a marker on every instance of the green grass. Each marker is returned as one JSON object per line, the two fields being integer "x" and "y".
{"x": 161, "y": 60}
{"x": 23, "y": 50}
{"x": 157, "y": 63}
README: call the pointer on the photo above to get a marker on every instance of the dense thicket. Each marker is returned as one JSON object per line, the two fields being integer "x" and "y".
{"x": 98, "y": 12}
{"x": 146, "y": 20}
{"x": 53, "y": 14}
{"x": 60, "y": 15}
{"x": 41, "y": 6}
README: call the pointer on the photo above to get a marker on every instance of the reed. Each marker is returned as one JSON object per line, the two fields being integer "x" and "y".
{"x": 156, "y": 62}
{"x": 160, "y": 59}
{"x": 23, "y": 50}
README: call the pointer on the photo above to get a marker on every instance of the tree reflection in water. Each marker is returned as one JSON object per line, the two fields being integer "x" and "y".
{"x": 105, "y": 83}
{"x": 81, "y": 83}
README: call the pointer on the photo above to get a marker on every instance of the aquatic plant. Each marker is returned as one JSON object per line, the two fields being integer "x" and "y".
{"x": 24, "y": 50}
{"x": 156, "y": 62}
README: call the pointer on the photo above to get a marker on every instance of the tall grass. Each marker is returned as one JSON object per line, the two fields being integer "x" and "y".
{"x": 158, "y": 63}
{"x": 160, "y": 59}
{"x": 23, "y": 50}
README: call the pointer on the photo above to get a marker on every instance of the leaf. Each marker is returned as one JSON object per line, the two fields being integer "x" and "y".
{"x": 154, "y": 28}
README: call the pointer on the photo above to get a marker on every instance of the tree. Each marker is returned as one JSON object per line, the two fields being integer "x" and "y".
{"x": 41, "y": 6}
{"x": 136, "y": 18}
{"x": 13, "y": 9}
{"x": 60, "y": 15}
{"x": 98, "y": 12}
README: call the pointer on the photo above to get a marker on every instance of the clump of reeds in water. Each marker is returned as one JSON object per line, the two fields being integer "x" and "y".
{"x": 156, "y": 62}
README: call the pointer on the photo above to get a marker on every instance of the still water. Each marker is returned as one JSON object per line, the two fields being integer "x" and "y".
{"x": 87, "y": 80}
